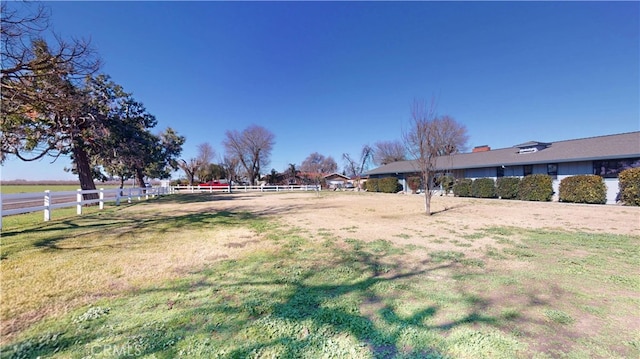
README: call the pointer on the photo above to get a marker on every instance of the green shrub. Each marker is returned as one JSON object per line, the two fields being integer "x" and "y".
{"x": 483, "y": 188}
{"x": 389, "y": 185}
{"x": 536, "y": 187}
{"x": 447, "y": 183}
{"x": 629, "y": 185}
{"x": 462, "y": 188}
{"x": 583, "y": 189}
{"x": 507, "y": 187}
{"x": 414, "y": 183}
{"x": 372, "y": 184}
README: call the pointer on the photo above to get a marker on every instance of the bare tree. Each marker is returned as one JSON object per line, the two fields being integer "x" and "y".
{"x": 206, "y": 153}
{"x": 319, "y": 164}
{"x": 431, "y": 137}
{"x": 252, "y": 147}
{"x": 385, "y": 152}
{"x": 190, "y": 168}
{"x": 230, "y": 165}
{"x": 355, "y": 168}
{"x": 21, "y": 26}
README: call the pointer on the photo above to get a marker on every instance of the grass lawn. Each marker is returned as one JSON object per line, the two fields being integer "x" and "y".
{"x": 165, "y": 278}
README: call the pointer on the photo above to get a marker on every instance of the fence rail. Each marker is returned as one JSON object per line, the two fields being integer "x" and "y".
{"x": 236, "y": 188}
{"x": 19, "y": 203}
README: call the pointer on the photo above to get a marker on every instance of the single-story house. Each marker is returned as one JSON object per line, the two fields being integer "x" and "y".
{"x": 605, "y": 156}
{"x": 336, "y": 180}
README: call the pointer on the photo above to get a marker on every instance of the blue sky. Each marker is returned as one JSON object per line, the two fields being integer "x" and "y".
{"x": 329, "y": 77}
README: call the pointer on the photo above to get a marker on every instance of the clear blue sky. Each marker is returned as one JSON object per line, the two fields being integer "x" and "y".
{"x": 331, "y": 77}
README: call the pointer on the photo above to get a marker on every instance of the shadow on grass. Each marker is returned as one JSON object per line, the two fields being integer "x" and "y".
{"x": 304, "y": 317}
{"x": 115, "y": 229}
{"x": 281, "y": 305}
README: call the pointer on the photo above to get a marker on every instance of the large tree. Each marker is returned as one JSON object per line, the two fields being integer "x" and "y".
{"x": 252, "y": 148}
{"x": 126, "y": 147}
{"x": 47, "y": 113}
{"x": 315, "y": 166}
{"x": 317, "y": 163}
{"x": 431, "y": 137}
{"x": 45, "y": 108}
{"x": 121, "y": 148}
{"x": 385, "y": 152}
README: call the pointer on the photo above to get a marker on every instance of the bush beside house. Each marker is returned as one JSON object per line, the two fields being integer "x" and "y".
{"x": 507, "y": 187}
{"x": 389, "y": 185}
{"x": 483, "y": 188}
{"x": 447, "y": 182}
{"x": 462, "y": 188}
{"x": 384, "y": 185}
{"x": 583, "y": 189}
{"x": 536, "y": 187}
{"x": 629, "y": 185}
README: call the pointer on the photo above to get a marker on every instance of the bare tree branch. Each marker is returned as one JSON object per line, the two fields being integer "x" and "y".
{"x": 430, "y": 137}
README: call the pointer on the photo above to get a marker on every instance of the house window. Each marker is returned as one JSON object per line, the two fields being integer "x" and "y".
{"x": 611, "y": 168}
{"x": 500, "y": 171}
{"x": 528, "y": 169}
{"x": 552, "y": 170}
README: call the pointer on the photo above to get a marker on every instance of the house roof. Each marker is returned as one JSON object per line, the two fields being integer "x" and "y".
{"x": 624, "y": 145}
{"x": 336, "y": 174}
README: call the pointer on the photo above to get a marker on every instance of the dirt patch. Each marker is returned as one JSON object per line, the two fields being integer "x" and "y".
{"x": 402, "y": 218}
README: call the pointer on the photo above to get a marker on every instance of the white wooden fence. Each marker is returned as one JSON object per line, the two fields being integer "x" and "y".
{"x": 18, "y": 203}
{"x": 236, "y": 188}
{"x": 29, "y": 202}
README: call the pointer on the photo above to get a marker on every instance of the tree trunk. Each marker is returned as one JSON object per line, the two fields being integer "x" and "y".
{"x": 84, "y": 172}
{"x": 140, "y": 177}
{"x": 428, "y": 180}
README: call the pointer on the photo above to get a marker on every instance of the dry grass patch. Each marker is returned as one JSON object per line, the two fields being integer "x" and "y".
{"x": 52, "y": 269}
{"x": 355, "y": 275}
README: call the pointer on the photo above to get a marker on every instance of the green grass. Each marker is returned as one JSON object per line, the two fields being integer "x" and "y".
{"x": 242, "y": 286}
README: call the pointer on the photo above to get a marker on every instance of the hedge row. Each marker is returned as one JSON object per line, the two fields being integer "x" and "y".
{"x": 385, "y": 185}
{"x": 536, "y": 187}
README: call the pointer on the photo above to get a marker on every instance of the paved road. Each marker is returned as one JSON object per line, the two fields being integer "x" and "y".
{"x": 37, "y": 199}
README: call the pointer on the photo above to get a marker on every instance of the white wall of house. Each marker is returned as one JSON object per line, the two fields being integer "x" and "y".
{"x": 612, "y": 189}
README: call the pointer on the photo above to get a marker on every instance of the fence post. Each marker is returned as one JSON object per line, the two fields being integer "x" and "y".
{"x": 118, "y": 195}
{"x": 79, "y": 200}
{"x": 0, "y": 211}
{"x": 101, "y": 198}
{"x": 47, "y": 205}
{"x": 129, "y": 195}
